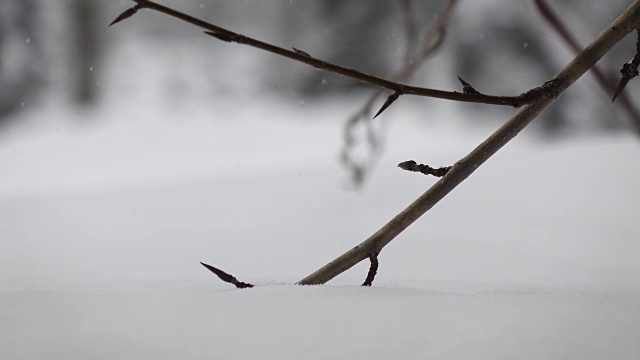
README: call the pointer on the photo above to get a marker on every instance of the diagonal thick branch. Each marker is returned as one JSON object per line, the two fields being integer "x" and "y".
{"x": 586, "y": 59}
{"x": 301, "y": 56}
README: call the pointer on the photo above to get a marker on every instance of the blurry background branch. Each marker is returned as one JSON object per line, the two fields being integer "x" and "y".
{"x": 374, "y": 140}
{"x": 604, "y": 79}
{"x": 86, "y": 49}
{"x": 20, "y": 54}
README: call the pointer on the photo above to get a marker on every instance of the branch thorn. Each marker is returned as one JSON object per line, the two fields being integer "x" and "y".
{"x": 126, "y": 14}
{"x": 467, "y": 88}
{"x": 303, "y": 53}
{"x": 393, "y": 97}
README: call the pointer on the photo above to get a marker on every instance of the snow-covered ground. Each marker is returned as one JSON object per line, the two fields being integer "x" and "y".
{"x": 105, "y": 214}
{"x": 328, "y": 322}
{"x": 103, "y": 225}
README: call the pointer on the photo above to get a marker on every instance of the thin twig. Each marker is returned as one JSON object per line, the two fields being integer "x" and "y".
{"x": 606, "y": 82}
{"x": 228, "y": 278}
{"x": 373, "y": 270}
{"x": 626, "y": 23}
{"x": 230, "y": 36}
{"x": 358, "y": 168}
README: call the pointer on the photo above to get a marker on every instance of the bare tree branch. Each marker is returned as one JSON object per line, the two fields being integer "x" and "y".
{"x": 230, "y": 36}
{"x": 626, "y": 23}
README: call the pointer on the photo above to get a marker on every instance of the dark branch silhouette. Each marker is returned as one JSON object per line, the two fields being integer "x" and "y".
{"x": 393, "y": 97}
{"x": 228, "y": 278}
{"x": 373, "y": 270}
{"x": 230, "y": 36}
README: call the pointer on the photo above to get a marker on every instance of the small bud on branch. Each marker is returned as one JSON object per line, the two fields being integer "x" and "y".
{"x": 425, "y": 169}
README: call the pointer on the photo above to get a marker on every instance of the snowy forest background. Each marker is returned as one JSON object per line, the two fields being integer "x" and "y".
{"x": 49, "y": 46}
{"x": 131, "y": 153}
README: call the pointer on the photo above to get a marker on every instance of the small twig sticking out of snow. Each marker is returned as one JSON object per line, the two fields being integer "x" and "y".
{"x": 604, "y": 79}
{"x": 228, "y": 278}
{"x": 373, "y": 270}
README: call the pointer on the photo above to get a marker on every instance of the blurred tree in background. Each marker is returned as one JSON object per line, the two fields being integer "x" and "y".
{"x": 20, "y": 53}
{"x": 85, "y": 49}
